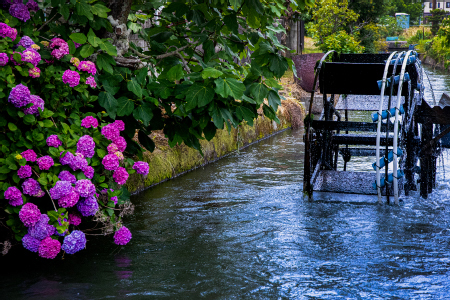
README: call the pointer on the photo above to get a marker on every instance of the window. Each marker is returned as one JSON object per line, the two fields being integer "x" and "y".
{"x": 439, "y": 5}
{"x": 448, "y": 4}
{"x": 431, "y": 4}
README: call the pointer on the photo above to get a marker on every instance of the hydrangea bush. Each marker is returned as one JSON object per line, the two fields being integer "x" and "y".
{"x": 64, "y": 162}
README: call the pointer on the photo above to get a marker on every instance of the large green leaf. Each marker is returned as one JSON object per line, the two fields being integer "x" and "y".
{"x": 246, "y": 114}
{"x": 144, "y": 113}
{"x": 259, "y": 92}
{"x": 231, "y": 22}
{"x": 274, "y": 100}
{"x": 87, "y": 50}
{"x": 229, "y": 87}
{"x": 198, "y": 95}
{"x": 211, "y": 72}
{"x": 92, "y": 38}
{"x": 108, "y": 101}
{"x": 146, "y": 141}
{"x": 135, "y": 87}
{"x": 175, "y": 73}
{"x": 100, "y": 10}
{"x": 79, "y": 38}
{"x": 84, "y": 9}
{"x": 125, "y": 106}
{"x": 105, "y": 62}
{"x": 108, "y": 47}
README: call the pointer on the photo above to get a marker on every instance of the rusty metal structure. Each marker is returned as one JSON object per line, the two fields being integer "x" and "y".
{"x": 404, "y": 137}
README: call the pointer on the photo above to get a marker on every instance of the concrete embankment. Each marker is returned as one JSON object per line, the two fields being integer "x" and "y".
{"x": 166, "y": 162}
{"x": 426, "y": 59}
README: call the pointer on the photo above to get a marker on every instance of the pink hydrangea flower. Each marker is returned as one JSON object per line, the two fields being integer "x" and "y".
{"x": 62, "y": 48}
{"x": 110, "y": 162}
{"x": 85, "y": 187}
{"x": 70, "y": 199}
{"x": 45, "y": 162}
{"x": 71, "y": 77}
{"x": 29, "y": 214}
{"x": 120, "y": 143}
{"x": 89, "y": 172}
{"x": 119, "y": 155}
{"x": 32, "y": 56}
{"x": 91, "y": 82}
{"x": 29, "y": 155}
{"x": 24, "y": 172}
{"x": 3, "y": 59}
{"x": 112, "y": 148}
{"x": 110, "y": 132}
{"x": 49, "y": 248}
{"x": 34, "y": 72}
{"x": 141, "y": 167}
{"x": 120, "y": 176}
{"x": 119, "y": 124}
{"x": 74, "y": 219}
{"x": 122, "y": 236}
{"x": 7, "y": 31}
{"x": 87, "y": 66}
{"x": 89, "y": 121}
{"x": 14, "y": 196}
{"x": 53, "y": 141}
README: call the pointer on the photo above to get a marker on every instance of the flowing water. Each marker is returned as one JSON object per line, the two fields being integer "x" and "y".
{"x": 240, "y": 229}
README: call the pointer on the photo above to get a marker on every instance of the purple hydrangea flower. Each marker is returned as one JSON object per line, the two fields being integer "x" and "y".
{"x": 112, "y": 148}
{"x": 119, "y": 155}
{"x": 88, "y": 206}
{"x": 67, "y": 158}
{"x": 120, "y": 175}
{"x": 31, "y": 187}
{"x": 85, "y": 187}
{"x": 74, "y": 219}
{"x": 32, "y": 56}
{"x": 3, "y": 59}
{"x": 77, "y": 45}
{"x": 42, "y": 229}
{"x": 69, "y": 200}
{"x": 53, "y": 141}
{"x": 20, "y": 11}
{"x": 34, "y": 72}
{"x": 89, "y": 121}
{"x": 91, "y": 82}
{"x": 37, "y": 103}
{"x": 74, "y": 242}
{"x": 110, "y": 162}
{"x": 14, "y": 196}
{"x": 29, "y": 214}
{"x": 122, "y": 236}
{"x": 110, "y": 131}
{"x": 33, "y": 6}
{"x": 67, "y": 176}
{"x": 29, "y": 155}
{"x": 114, "y": 199}
{"x": 7, "y": 31}
{"x": 62, "y": 48}
{"x": 86, "y": 146}
{"x": 119, "y": 124}
{"x": 61, "y": 189}
{"x": 24, "y": 172}
{"x": 71, "y": 77}
{"x": 19, "y": 96}
{"x": 30, "y": 243}
{"x": 89, "y": 172}
{"x": 141, "y": 167}
{"x": 120, "y": 143}
{"x": 79, "y": 163}
{"x": 45, "y": 162}
{"x": 26, "y": 42}
{"x": 87, "y": 66}
{"x": 49, "y": 248}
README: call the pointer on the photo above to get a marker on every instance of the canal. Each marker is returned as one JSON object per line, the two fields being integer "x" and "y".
{"x": 240, "y": 229}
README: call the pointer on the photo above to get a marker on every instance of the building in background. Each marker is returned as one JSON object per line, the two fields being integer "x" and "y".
{"x": 428, "y": 7}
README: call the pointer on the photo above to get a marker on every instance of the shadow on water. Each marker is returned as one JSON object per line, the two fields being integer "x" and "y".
{"x": 240, "y": 229}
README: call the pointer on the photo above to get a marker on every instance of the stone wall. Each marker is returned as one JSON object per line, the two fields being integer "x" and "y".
{"x": 166, "y": 163}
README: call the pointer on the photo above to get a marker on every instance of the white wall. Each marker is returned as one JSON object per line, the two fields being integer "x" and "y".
{"x": 442, "y": 4}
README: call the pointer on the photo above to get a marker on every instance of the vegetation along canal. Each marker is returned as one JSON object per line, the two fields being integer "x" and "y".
{"x": 239, "y": 229}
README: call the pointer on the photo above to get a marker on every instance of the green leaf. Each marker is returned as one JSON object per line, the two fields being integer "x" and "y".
{"x": 92, "y": 38}
{"x": 175, "y": 73}
{"x": 211, "y": 72}
{"x": 72, "y": 47}
{"x": 259, "y": 92}
{"x": 84, "y": 9}
{"x": 125, "y": 106}
{"x": 110, "y": 89}
{"x": 198, "y": 95}
{"x": 47, "y": 123}
{"x": 108, "y": 101}
{"x": 30, "y": 119}
{"x": 143, "y": 113}
{"x": 108, "y": 47}
{"x": 236, "y": 4}
{"x": 46, "y": 114}
{"x": 101, "y": 153}
{"x": 229, "y": 87}
{"x": 79, "y": 38}
{"x": 146, "y": 141}
{"x": 134, "y": 86}
{"x": 274, "y": 100}
{"x": 278, "y": 65}
{"x": 12, "y": 127}
{"x": 87, "y": 50}
{"x": 100, "y": 10}
{"x": 17, "y": 57}
{"x": 246, "y": 114}
{"x": 231, "y": 22}
{"x": 105, "y": 62}
{"x": 210, "y": 131}
{"x": 65, "y": 12}
{"x": 4, "y": 169}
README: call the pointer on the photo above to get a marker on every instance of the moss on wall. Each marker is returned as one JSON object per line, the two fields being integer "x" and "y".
{"x": 166, "y": 162}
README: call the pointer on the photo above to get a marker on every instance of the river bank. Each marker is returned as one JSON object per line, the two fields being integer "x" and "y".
{"x": 167, "y": 163}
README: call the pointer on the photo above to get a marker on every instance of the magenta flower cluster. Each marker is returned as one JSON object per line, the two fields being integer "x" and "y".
{"x": 86, "y": 146}
{"x": 53, "y": 141}
{"x": 120, "y": 176}
{"x": 67, "y": 176}
{"x": 20, "y": 95}
{"x": 26, "y": 42}
{"x": 7, "y": 31}
{"x": 3, "y": 59}
{"x": 42, "y": 229}
{"x": 70, "y": 199}
{"x": 85, "y": 187}
{"x": 24, "y": 172}
{"x": 45, "y": 162}
{"x": 110, "y": 162}
{"x": 29, "y": 214}
{"x": 31, "y": 187}
{"x": 34, "y": 72}
{"x": 61, "y": 48}
{"x": 74, "y": 242}
{"x": 91, "y": 82}
{"x": 122, "y": 236}
{"x": 88, "y": 206}
{"x": 74, "y": 219}
{"x": 71, "y": 77}
{"x": 49, "y": 248}
{"x": 31, "y": 56}
{"x": 19, "y": 11}
{"x": 14, "y": 196}
{"x": 89, "y": 121}
{"x": 141, "y": 167}
{"x": 29, "y": 155}
{"x": 87, "y": 66}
